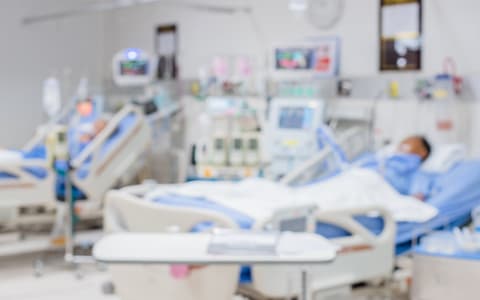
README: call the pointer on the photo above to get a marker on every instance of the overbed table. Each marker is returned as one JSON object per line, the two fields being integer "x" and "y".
{"x": 192, "y": 248}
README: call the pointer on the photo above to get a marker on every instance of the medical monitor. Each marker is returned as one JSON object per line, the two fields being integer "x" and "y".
{"x": 294, "y": 58}
{"x": 292, "y": 132}
{"x": 133, "y": 67}
{"x": 296, "y": 117}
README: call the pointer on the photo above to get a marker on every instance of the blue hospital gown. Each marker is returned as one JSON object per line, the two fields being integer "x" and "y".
{"x": 403, "y": 173}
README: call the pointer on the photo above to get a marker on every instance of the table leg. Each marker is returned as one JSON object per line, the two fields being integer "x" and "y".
{"x": 305, "y": 288}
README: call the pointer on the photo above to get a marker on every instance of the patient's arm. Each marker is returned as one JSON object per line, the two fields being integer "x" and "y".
{"x": 419, "y": 196}
{"x": 85, "y": 138}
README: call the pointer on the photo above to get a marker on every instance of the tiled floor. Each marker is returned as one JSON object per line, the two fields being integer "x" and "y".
{"x": 59, "y": 283}
{"x": 17, "y": 282}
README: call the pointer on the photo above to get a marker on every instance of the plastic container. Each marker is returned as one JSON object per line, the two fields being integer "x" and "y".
{"x": 476, "y": 219}
{"x": 441, "y": 242}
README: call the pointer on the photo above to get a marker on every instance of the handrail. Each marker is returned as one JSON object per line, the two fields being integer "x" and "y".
{"x": 103, "y": 136}
{"x": 345, "y": 219}
{"x": 343, "y": 141}
{"x": 298, "y": 172}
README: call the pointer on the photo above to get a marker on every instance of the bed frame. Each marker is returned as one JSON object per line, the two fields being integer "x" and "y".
{"x": 127, "y": 212}
{"x": 28, "y": 191}
{"x": 358, "y": 261}
{"x": 105, "y": 172}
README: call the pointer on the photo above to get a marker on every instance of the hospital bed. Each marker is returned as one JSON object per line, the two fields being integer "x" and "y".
{"x": 124, "y": 212}
{"x": 30, "y": 179}
{"x": 456, "y": 194}
{"x": 365, "y": 239}
{"x": 111, "y": 154}
{"x": 26, "y": 179}
{"x": 128, "y": 210}
{"x": 455, "y": 189}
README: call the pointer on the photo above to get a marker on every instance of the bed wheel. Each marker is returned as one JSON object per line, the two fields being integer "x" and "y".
{"x": 108, "y": 288}
{"x": 38, "y": 268}
{"x": 79, "y": 274}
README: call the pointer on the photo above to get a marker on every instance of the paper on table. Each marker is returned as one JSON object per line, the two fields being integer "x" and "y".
{"x": 243, "y": 243}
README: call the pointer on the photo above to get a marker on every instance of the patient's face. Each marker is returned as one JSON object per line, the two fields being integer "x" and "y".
{"x": 413, "y": 145}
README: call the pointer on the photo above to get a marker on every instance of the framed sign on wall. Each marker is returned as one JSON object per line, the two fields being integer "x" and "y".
{"x": 400, "y": 35}
{"x": 166, "y": 47}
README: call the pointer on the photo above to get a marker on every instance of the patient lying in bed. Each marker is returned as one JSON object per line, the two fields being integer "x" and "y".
{"x": 86, "y": 132}
{"x": 401, "y": 169}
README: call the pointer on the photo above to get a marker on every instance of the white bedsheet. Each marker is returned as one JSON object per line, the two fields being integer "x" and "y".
{"x": 258, "y": 198}
{"x": 8, "y": 156}
{"x": 362, "y": 187}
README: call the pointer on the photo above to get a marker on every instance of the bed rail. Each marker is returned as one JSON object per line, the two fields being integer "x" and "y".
{"x": 353, "y": 141}
{"x": 325, "y": 156}
{"x": 357, "y": 259}
{"x": 105, "y": 170}
{"x": 25, "y": 189}
{"x": 93, "y": 149}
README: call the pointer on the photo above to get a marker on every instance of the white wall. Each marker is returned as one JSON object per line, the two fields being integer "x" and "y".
{"x": 86, "y": 44}
{"x": 31, "y": 53}
{"x": 450, "y": 28}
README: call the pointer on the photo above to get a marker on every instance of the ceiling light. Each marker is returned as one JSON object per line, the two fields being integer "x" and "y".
{"x": 298, "y": 5}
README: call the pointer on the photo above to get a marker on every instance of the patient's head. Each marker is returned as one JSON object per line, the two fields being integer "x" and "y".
{"x": 417, "y": 145}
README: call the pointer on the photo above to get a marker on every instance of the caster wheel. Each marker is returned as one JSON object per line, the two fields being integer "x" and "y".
{"x": 79, "y": 274}
{"x": 38, "y": 268}
{"x": 108, "y": 288}
{"x": 101, "y": 267}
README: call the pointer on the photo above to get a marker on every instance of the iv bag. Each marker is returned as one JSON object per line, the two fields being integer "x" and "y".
{"x": 51, "y": 97}
{"x": 82, "y": 89}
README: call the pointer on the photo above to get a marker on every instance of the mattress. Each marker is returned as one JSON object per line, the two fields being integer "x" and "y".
{"x": 37, "y": 152}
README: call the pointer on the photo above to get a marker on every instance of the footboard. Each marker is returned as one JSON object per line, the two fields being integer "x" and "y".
{"x": 362, "y": 256}
{"x": 26, "y": 187}
{"x": 128, "y": 212}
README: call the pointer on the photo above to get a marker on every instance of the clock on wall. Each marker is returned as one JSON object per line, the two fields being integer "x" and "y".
{"x": 325, "y": 14}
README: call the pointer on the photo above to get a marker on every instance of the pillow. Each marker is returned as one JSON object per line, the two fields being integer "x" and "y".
{"x": 444, "y": 158}
{"x": 10, "y": 155}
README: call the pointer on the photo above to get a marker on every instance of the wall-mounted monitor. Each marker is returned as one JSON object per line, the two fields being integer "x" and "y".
{"x": 133, "y": 67}
{"x": 294, "y": 58}
{"x": 318, "y": 57}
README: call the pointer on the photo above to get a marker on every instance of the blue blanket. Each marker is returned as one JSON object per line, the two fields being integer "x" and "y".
{"x": 38, "y": 152}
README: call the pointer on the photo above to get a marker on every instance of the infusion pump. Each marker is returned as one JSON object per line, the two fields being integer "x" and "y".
{"x": 292, "y": 132}
{"x": 232, "y": 147}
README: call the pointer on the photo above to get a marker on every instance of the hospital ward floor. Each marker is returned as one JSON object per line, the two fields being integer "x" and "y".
{"x": 17, "y": 282}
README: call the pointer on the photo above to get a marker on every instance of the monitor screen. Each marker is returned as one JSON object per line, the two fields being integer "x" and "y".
{"x": 294, "y": 58}
{"x": 295, "y": 118}
{"x": 238, "y": 144}
{"x": 219, "y": 144}
{"x": 134, "y": 68}
{"x": 253, "y": 144}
